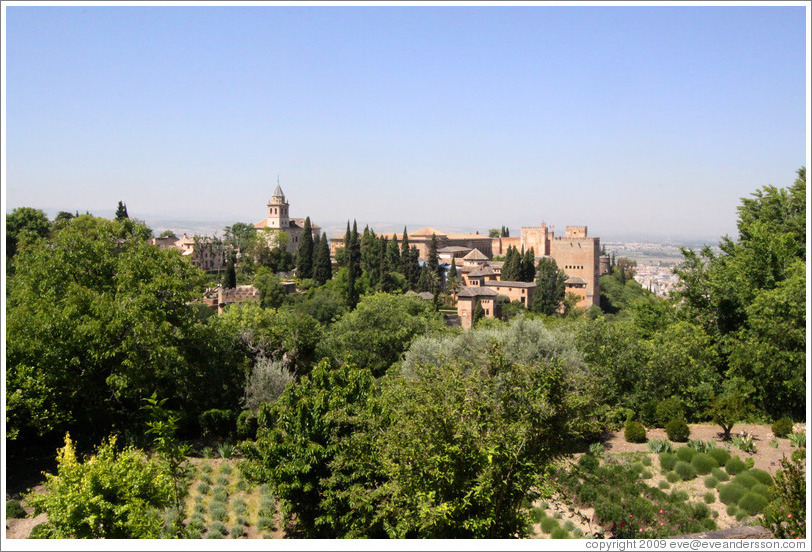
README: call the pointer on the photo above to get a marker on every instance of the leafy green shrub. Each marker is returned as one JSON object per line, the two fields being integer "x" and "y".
{"x": 14, "y": 510}
{"x": 607, "y": 511}
{"x": 111, "y": 494}
{"x": 214, "y": 535}
{"x": 637, "y": 467}
{"x": 222, "y": 480}
{"x": 247, "y": 425}
{"x": 741, "y": 514}
{"x": 648, "y": 413}
{"x": 239, "y": 505}
{"x": 667, "y": 460}
{"x": 685, "y": 470}
{"x": 218, "y": 511}
{"x": 226, "y": 450}
{"x": 559, "y": 533}
{"x": 198, "y": 521}
{"x": 646, "y": 474}
{"x": 646, "y": 460}
{"x": 200, "y": 507}
{"x": 194, "y": 533}
{"x": 785, "y": 516}
{"x": 711, "y": 482}
{"x": 634, "y": 432}
{"x": 735, "y": 466}
{"x": 588, "y": 462}
{"x": 205, "y": 478}
{"x": 216, "y": 423}
{"x": 242, "y": 520}
{"x": 673, "y": 477}
{"x": 42, "y": 531}
{"x": 548, "y": 524}
{"x": 720, "y": 474}
{"x": 720, "y": 455}
{"x": 762, "y": 476}
{"x": 704, "y": 463}
{"x": 596, "y": 449}
{"x": 659, "y": 445}
{"x": 663, "y": 484}
{"x": 782, "y": 427}
{"x": 569, "y": 525}
{"x": 205, "y": 467}
{"x": 587, "y": 493}
{"x": 243, "y": 485}
{"x": 709, "y": 498}
{"x": 225, "y": 468}
{"x": 732, "y": 509}
{"x": 668, "y": 410}
{"x": 536, "y": 515}
{"x": 207, "y": 452}
{"x": 730, "y": 493}
{"x": 265, "y": 524}
{"x": 677, "y": 430}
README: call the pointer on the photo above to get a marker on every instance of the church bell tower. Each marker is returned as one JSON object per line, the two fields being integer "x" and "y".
{"x": 278, "y": 209}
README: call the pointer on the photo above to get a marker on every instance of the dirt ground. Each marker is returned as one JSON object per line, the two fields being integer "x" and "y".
{"x": 766, "y": 458}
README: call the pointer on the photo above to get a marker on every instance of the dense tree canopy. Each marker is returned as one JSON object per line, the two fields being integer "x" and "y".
{"x": 96, "y": 321}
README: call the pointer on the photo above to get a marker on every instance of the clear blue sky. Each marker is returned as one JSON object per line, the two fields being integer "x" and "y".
{"x": 649, "y": 121}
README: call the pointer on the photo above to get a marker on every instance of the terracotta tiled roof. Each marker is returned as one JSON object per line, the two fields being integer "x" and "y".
{"x": 476, "y": 291}
{"x": 575, "y": 280}
{"x": 476, "y": 255}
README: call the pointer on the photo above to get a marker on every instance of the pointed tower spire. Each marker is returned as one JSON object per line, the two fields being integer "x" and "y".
{"x": 278, "y": 191}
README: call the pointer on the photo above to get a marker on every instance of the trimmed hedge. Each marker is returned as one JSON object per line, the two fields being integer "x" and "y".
{"x": 782, "y": 427}
{"x": 731, "y": 493}
{"x": 667, "y": 460}
{"x": 720, "y": 455}
{"x": 685, "y": 470}
{"x": 735, "y": 466}
{"x": 686, "y": 454}
{"x": 745, "y": 479}
{"x": 635, "y": 432}
{"x": 704, "y": 463}
{"x": 752, "y": 503}
{"x": 762, "y": 476}
{"x": 677, "y": 430}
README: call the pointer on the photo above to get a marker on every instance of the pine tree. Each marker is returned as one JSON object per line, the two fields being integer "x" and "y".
{"x": 121, "y": 212}
{"x": 304, "y": 253}
{"x": 322, "y": 265}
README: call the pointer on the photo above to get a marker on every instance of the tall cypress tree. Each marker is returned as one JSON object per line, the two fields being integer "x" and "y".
{"x": 405, "y": 256}
{"x": 353, "y": 266}
{"x": 510, "y": 272}
{"x": 230, "y": 281}
{"x": 345, "y": 260}
{"x": 414, "y": 267}
{"x": 453, "y": 279}
{"x": 433, "y": 262}
{"x": 529, "y": 266}
{"x": 304, "y": 253}
{"x": 393, "y": 255}
{"x": 550, "y": 288}
{"x": 322, "y": 266}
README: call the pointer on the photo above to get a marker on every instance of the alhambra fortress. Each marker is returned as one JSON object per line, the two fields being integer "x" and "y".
{"x": 576, "y": 253}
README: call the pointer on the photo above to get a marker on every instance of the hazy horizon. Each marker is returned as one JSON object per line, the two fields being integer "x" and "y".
{"x": 634, "y": 121}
